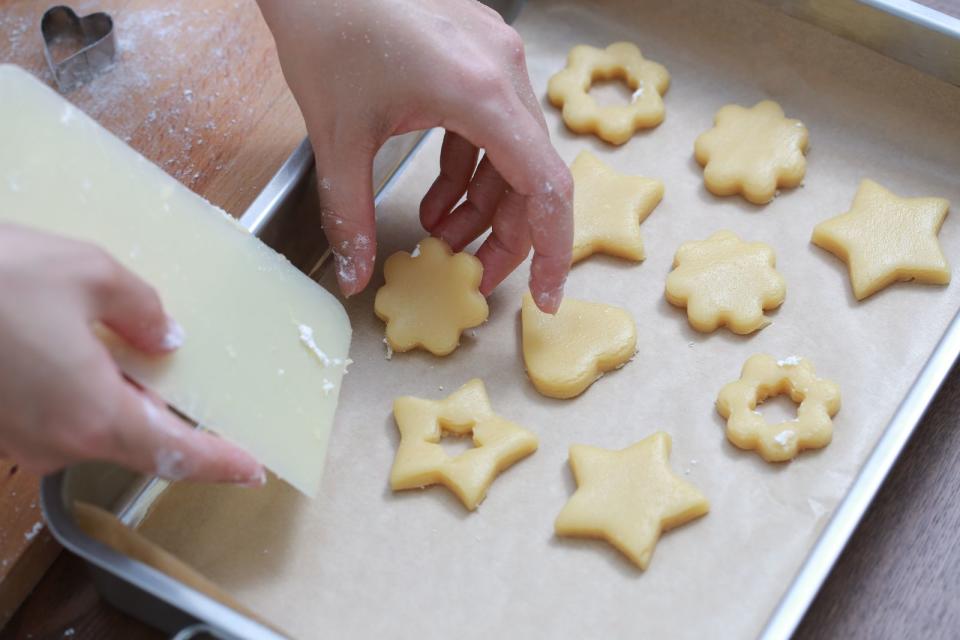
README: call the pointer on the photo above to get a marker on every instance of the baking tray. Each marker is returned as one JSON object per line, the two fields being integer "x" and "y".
{"x": 275, "y": 217}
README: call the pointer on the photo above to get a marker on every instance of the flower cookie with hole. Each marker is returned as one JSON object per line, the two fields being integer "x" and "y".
{"x": 569, "y": 90}
{"x": 763, "y": 377}
{"x": 628, "y": 497}
{"x": 725, "y": 281}
{"x": 752, "y": 151}
{"x": 430, "y": 298}
{"x": 884, "y": 238}
{"x": 421, "y": 460}
{"x": 608, "y": 208}
{"x": 567, "y": 352}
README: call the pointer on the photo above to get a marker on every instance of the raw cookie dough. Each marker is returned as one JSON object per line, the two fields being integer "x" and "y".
{"x": 628, "y": 497}
{"x": 752, "y": 152}
{"x": 569, "y": 89}
{"x": 725, "y": 281}
{"x": 567, "y": 352}
{"x": 608, "y": 208}
{"x": 429, "y": 299}
{"x": 764, "y": 377}
{"x": 421, "y": 460}
{"x": 884, "y": 239}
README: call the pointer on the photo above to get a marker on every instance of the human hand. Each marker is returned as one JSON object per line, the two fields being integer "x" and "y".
{"x": 365, "y": 70}
{"x": 62, "y": 398}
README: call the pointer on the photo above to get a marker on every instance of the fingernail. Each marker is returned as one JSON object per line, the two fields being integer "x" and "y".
{"x": 346, "y": 273}
{"x": 258, "y": 479}
{"x": 549, "y": 301}
{"x": 173, "y": 338}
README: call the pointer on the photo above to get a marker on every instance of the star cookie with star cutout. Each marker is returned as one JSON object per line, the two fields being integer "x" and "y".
{"x": 628, "y": 497}
{"x": 884, "y": 238}
{"x": 608, "y": 208}
{"x": 421, "y": 460}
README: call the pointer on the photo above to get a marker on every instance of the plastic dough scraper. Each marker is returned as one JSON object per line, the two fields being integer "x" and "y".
{"x": 265, "y": 347}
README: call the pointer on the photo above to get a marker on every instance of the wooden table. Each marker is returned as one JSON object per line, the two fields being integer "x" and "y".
{"x": 219, "y": 117}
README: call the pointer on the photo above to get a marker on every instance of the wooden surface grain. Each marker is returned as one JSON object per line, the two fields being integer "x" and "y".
{"x": 197, "y": 89}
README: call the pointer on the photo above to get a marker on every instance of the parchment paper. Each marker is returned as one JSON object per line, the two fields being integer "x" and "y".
{"x": 363, "y": 562}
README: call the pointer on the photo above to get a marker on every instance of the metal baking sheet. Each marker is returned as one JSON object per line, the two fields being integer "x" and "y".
{"x": 361, "y": 560}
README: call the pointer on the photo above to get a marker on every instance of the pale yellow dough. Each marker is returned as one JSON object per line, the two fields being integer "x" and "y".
{"x": 608, "y": 208}
{"x": 421, "y": 460}
{"x": 569, "y": 89}
{"x": 884, "y": 239}
{"x": 764, "y": 377}
{"x": 752, "y": 151}
{"x": 428, "y": 300}
{"x": 567, "y": 352}
{"x": 628, "y": 497}
{"x": 725, "y": 281}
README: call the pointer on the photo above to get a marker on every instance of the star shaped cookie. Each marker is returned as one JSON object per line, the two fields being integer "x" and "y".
{"x": 884, "y": 239}
{"x": 569, "y": 90}
{"x": 421, "y": 460}
{"x": 752, "y": 152}
{"x": 628, "y": 497}
{"x": 608, "y": 208}
{"x": 430, "y": 298}
{"x": 725, "y": 281}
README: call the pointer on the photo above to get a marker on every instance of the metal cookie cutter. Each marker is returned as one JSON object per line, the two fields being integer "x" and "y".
{"x": 77, "y": 49}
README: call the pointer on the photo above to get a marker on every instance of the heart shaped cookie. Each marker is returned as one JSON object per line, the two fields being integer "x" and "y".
{"x": 567, "y": 352}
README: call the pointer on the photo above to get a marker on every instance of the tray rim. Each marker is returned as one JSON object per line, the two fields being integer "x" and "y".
{"x": 846, "y": 517}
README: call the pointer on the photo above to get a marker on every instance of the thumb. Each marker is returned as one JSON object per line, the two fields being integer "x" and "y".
{"x": 346, "y": 203}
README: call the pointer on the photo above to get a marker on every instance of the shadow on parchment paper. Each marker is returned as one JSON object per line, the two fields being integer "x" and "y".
{"x": 722, "y": 334}
{"x": 210, "y": 526}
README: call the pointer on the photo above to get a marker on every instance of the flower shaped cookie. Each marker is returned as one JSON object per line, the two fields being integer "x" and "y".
{"x": 884, "y": 238}
{"x": 764, "y": 377}
{"x": 429, "y": 299}
{"x": 725, "y": 281}
{"x": 421, "y": 460}
{"x": 752, "y": 152}
{"x": 569, "y": 90}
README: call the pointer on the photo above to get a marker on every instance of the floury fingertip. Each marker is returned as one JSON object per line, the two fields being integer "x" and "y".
{"x": 174, "y": 337}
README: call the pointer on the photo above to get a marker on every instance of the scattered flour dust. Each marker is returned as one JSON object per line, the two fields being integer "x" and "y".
{"x": 785, "y": 438}
{"x": 306, "y": 337}
{"x": 790, "y": 361}
{"x": 150, "y": 63}
{"x": 34, "y": 531}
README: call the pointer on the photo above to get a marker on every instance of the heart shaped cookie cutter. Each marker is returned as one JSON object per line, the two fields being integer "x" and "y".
{"x": 90, "y": 39}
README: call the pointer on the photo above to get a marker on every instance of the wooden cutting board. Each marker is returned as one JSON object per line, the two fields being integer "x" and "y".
{"x": 197, "y": 89}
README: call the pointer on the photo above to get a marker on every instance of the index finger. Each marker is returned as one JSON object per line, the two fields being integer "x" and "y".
{"x": 521, "y": 151}
{"x": 151, "y": 439}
